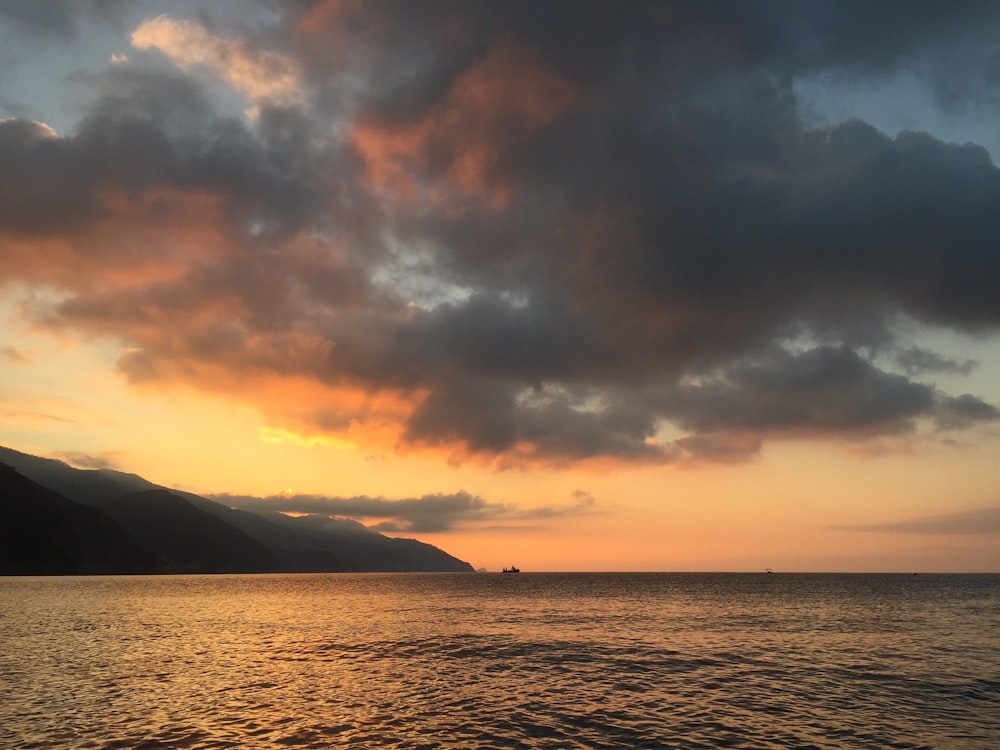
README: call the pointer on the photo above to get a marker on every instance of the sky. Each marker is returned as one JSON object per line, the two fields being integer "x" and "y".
{"x": 567, "y": 285}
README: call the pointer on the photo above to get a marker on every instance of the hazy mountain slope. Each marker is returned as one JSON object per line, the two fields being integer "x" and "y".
{"x": 82, "y": 485}
{"x": 183, "y": 538}
{"x": 95, "y": 486}
{"x": 294, "y": 545}
{"x": 294, "y": 551}
{"x": 44, "y": 533}
{"x": 315, "y": 543}
{"x": 289, "y": 551}
{"x": 372, "y": 551}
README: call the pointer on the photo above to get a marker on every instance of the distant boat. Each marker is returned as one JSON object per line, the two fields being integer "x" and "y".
{"x": 512, "y": 569}
{"x": 769, "y": 571}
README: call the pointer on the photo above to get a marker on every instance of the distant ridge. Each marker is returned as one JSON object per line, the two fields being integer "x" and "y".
{"x": 176, "y": 531}
{"x": 44, "y": 533}
{"x": 183, "y": 538}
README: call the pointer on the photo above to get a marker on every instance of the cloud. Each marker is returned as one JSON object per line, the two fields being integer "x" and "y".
{"x": 42, "y": 188}
{"x": 959, "y": 411}
{"x": 428, "y": 513}
{"x": 260, "y": 74}
{"x": 490, "y": 111}
{"x": 105, "y": 460}
{"x": 433, "y": 513}
{"x": 522, "y": 233}
{"x": 983, "y": 521}
{"x": 15, "y": 355}
{"x": 58, "y": 20}
{"x": 30, "y": 417}
{"x": 826, "y": 389}
{"x": 22, "y": 410}
{"x": 915, "y": 360}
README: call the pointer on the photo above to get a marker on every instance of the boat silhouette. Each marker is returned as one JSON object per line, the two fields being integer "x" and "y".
{"x": 512, "y": 569}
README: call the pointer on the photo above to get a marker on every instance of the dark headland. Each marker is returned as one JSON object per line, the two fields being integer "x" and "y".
{"x": 59, "y": 520}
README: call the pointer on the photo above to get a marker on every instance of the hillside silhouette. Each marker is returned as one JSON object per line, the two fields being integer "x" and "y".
{"x": 44, "y": 533}
{"x": 56, "y": 519}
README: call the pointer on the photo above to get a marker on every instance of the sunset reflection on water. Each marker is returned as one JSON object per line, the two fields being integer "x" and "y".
{"x": 490, "y": 661}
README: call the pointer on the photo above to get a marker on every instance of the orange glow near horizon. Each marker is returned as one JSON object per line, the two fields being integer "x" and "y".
{"x": 457, "y": 264}
{"x": 781, "y": 511}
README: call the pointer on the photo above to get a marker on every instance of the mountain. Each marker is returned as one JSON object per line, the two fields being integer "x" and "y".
{"x": 175, "y": 535}
{"x": 369, "y": 550}
{"x": 100, "y": 487}
{"x": 184, "y": 539}
{"x": 44, "y": 533}
{"x": 185, "y": 532}
{"x": 79, "y": 485}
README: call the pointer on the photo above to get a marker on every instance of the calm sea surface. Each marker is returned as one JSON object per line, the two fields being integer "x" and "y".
{"x": 501, "y": 661}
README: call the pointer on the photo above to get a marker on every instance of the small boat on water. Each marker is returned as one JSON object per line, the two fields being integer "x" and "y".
{"x": 512, "y": 569}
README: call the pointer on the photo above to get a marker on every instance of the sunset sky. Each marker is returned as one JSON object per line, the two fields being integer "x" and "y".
{"x": 569, "y": 285}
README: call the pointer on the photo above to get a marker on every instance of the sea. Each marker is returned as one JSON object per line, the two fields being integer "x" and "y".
{"x": 492, "y": 660}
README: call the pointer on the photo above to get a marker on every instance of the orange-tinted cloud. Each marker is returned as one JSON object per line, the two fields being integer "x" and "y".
{"x": 260, "y": 74}
{"x": 488, "y": 114}
{"x": 511, "y": 233}
{"x": 15, "y": 355}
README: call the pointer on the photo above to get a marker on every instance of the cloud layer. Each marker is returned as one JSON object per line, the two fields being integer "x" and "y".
{"x": 522, "y": 232}
{"x": 983, "y": 521}
{"x": 434, "y": 513}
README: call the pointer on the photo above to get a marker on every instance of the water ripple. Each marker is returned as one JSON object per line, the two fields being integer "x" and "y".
{"x": 485, "y": 662}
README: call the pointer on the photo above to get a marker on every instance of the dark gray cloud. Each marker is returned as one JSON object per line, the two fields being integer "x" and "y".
{"x": 148, "y": 130}
{"x": 42, "y": 187}
{"x": 960, "y": 411}
{"x": 973, "y": 522}
{"x": 433, "y": 513}
{"x": 563, "y": 228}
{"x": 52, "y": 18}
{"x": 823, "y": 390}
{"x": 915, "y": 360}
